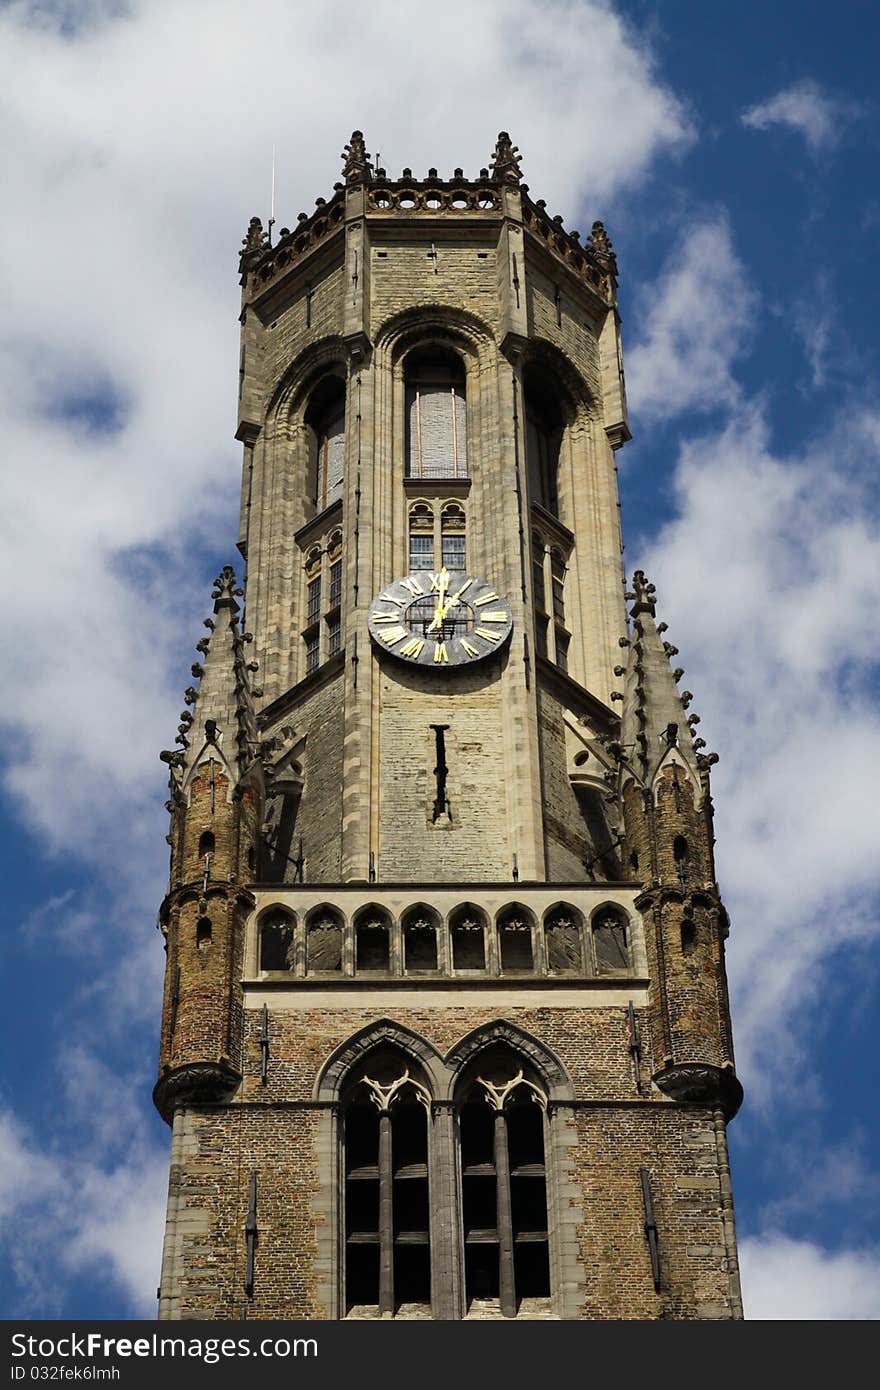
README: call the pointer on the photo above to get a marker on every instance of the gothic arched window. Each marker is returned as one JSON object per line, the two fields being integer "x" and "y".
{"x": 325, "y": 417}
{"x": 420, "y": 940}
{"x": 503, "y": 1183}
{"x": 564, "y": 938}
{"x": 324, "y": 937}
{"x": 610, "y": 940}
{"x": 467, "y": 931}
{"x": 276, "y": 940}
{"x": 385, "y": 1118}
{"x": 372, "y": 940}
{"x": 515, "y": 944}
{"x": 436, "y": 416}
{"x": 543, "y": 429}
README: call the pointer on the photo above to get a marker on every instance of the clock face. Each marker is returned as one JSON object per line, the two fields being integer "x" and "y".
{"x": 443, "y": 620}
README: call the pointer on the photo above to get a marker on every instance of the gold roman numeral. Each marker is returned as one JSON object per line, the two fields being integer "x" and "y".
{"x": 471, "y": 651}
{"x": 390, "y": 635}
{"x": 389, "y": 598}
{"x": 413, "y": 648}
{"x": 485, "y": 598}
{"x": 466, "y": 585}
{"x": 440, "y": 652}
{"x": 497, "y": 615}
{"x": 414, "y": 587}
{"x": 392, "y": 617}
{"x": 484, "y": 632}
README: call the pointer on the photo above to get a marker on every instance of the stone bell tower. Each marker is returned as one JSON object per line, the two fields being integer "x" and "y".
{"x": 445, "y": 1029}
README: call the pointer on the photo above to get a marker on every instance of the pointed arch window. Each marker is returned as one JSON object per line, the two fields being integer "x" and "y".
{"x": 503, "y": 1184}
{"x": 544, "y": 426}
{"x": 610, "y": 941}
{"x": 276, "y": 941}
{"x": 386, "y": 1117}
{"x": 325, "y": 417}
{"x": 436, "y": 416}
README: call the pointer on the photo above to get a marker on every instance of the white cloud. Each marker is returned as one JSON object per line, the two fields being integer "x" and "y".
{"x": 766, "y": 577}
{"x": 805, "y": 108}
{"x": 66, "y": 1215}
{"x": 785, "y": 1279}
{"x": 694, "y": 327}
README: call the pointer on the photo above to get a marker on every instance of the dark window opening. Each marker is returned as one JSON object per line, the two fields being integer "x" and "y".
{"x": 203, "y": 933}
{"x": 372, "y": 945}
{"x": 688, "y": 937}
{"x": 326, "y": 418}
{"x": 206, "y": 844}
{"x": 543, "y": 439}
{"x": 420, "y": 945}
{"x": 541, "y": 625}
{"x": 441, "y": 772}
{"x": 334, "y": 634}
{"x": 387, "y": 1225}
{"x": 313, "y": 600}
{"x": 562, "y": 644}
{"x": 468, "y": 944}
{"x": 515, "y": 940}
{"x": 313, "y": 644}
{"x": 276, "y": 944}
{"x": 680, "y": 853}
{"x": 504, "y": 1193}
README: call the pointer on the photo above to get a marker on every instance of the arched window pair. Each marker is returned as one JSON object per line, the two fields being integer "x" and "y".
{"x": 436, "y": 415}
{"x": 322, "y": 627}
{"x": 398, "y": 1236}
{"x": 432, "y": 536}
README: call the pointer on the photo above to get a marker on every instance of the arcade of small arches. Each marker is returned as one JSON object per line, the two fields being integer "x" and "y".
{"x": 465, "y": 942}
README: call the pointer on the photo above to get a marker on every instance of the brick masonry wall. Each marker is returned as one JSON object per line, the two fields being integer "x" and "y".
{"x": 319, "y": 717}
{"x": 405, "y": 276}
{"x": 275, "y": 1134}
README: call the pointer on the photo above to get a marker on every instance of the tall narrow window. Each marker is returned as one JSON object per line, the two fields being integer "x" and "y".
{"x": 334, "y": 633}
{"x": 543, "y": 438}
{"x": 326, "y": 419}
{"x": 452, "y": 527}
{"x": 313, "y": 599}
{"x": 387, "y": 1210}
{"x": 324, "y": 940}
{"x": 436, "y": 416}
{"x": 421, "y": 537}
{"x": 276, "y": 941}
{"x": 312, "y": 642}
{"x": 504, "y": 1188}
{"x": 419, "y": 941}
{"x": 372, "y": 936}
{"x": 515, "y": 942}
{"x": 468, "y": 936}
{"x": 610, "y": 941}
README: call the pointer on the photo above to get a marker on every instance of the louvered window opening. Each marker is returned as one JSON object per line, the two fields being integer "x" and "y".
{"x": 504, "y": 1202}
{"x": 387, "y": 1227}
{"x": 437, "y": 430}
{"x": 331, "y": 462}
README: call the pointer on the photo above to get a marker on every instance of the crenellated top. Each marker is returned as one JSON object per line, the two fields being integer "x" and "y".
{"x": 654, "y": 724}
{"x": 222, "y": 721}
{"x": 408, "y": 197}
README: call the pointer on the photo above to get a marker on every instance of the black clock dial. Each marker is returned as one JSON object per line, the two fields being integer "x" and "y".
{"x": 442, "y": 620}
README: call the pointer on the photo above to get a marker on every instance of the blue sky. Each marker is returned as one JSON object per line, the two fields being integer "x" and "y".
{"x": 732, "y": 152}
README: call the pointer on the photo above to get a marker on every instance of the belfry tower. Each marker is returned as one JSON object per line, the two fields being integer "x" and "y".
{"x": 445, "y": 1028}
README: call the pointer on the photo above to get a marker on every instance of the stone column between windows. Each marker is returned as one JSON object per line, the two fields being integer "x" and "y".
{"x": 504, "y": 1217}
{"x": 447, "y": 1294}
{"x": 386, "y": 1219}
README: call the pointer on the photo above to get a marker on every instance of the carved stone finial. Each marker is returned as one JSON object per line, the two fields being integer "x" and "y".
{"x": 642, "y": 595}
{"x": 602, "y": 248}
{"x": 506, "y": 160}
{"x": 254, "y": 243}
{"x": 356, "y": 164}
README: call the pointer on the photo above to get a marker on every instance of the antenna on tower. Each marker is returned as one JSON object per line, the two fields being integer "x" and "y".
{"x": 272, "y": 199}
